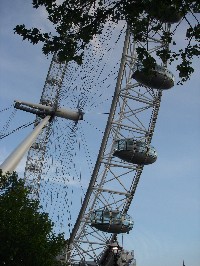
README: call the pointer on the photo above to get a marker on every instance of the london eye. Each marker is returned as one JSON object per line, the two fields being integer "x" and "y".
{"x": 103, "y": 166}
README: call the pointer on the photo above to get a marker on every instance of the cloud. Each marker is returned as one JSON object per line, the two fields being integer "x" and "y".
{"x": 41, "y": 21}
{"x": 54, "y": 174}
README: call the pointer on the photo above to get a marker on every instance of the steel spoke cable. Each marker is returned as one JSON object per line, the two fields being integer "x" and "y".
{"x": 6, "y": 108}
{"x": 95, "y": 77}
{"x": 17, "y": 129}
{"x": 8, "y": 122}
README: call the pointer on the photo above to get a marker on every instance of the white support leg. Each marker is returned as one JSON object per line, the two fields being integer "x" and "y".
{"x": 15, "y": 157}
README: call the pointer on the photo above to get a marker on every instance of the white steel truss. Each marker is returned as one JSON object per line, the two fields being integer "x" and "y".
{"x": 133, "y": 114}
{"x": 49, "y": 97}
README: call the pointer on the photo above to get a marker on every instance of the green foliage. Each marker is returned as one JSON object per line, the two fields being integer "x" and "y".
{"x": 26, "y": 234}
{"x": 76, "y": 26}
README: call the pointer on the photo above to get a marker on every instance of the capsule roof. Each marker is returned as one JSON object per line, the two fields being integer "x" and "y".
{"x": 111, "y": 221}
{"x": 136, "y": 152}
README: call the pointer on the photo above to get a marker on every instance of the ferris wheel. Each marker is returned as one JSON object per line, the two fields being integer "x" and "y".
{"x": 67, "y": 154}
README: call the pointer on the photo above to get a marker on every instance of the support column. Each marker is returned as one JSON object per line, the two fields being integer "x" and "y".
{"x": 15, "y": 157}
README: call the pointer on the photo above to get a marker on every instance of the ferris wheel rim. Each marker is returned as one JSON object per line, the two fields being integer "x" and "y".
{"x": 139, "y": 167}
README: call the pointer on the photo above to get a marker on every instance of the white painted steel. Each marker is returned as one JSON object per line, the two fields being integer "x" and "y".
{"x": 133, "y": 114}
{"x": 11, "y": 162}
{"x": 60, "y": 112}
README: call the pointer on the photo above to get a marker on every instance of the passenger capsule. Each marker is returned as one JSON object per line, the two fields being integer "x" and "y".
{"x": 169, "y": 14}
{"x": 111, "y": 221}
{"x": 136, "y": 152}
{"x": 173, "y": 17}
{"x": 157, "y": 78}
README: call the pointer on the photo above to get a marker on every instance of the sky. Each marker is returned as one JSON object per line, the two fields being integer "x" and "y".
{"x": 166, "y": 207}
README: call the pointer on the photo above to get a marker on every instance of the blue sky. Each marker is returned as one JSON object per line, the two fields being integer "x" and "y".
{"x": 166, "y": 207}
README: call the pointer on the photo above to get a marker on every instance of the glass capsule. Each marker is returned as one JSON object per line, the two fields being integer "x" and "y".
{"x": 157, "y": 78}
{"x": 111, "y": 221}
{"x": 136, "y": 152}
